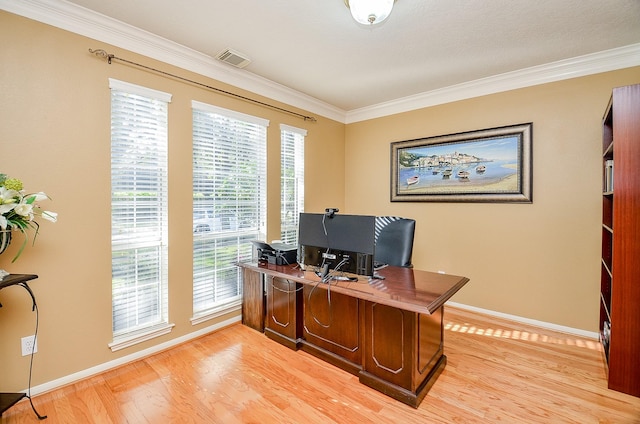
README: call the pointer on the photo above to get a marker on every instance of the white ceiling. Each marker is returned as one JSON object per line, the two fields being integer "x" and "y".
{"x": 315, "y": 48}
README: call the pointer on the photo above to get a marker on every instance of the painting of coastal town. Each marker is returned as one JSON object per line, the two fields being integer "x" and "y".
{"x": 486, "y": 165}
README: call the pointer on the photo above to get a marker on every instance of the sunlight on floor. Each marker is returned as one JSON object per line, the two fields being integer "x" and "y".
{"x": 521, "y": 335}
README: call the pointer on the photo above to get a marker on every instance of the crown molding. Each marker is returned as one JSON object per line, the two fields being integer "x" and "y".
{"x": 82, "y": 21}
{"x": 85, "y": 22}
{"x": 608, "y": 60}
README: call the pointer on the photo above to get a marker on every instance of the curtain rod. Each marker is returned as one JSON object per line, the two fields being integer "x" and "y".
{"x": 111, "y": 57}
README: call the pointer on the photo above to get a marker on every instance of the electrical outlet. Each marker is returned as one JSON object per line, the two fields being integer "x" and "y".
{"x": 29, "y": 345}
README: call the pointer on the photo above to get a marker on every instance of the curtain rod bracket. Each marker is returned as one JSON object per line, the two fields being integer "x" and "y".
{"x": 103, "y": 54}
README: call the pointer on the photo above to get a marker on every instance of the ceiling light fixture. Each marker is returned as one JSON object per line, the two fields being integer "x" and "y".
{"x": 370, "y": 12}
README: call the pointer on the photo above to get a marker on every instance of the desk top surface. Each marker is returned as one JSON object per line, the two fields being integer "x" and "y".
{"x": 403, "y": 288}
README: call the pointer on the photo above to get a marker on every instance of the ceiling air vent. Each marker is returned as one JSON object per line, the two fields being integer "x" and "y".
{"x": 233, "y": 58}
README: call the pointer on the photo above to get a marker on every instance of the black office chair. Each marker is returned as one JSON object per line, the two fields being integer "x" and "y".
{"x": 394, "y": 240}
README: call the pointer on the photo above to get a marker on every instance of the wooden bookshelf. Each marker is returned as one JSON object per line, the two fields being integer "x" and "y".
{"x": 620, "y": 270}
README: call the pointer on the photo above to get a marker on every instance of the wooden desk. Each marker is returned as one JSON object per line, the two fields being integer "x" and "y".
{"x": 388, "y": 332}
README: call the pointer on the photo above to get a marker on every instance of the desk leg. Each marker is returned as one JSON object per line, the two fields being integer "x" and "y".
{"x": 253, "y": 299}
{"x": 284, "y": 311}
{"x": 403, "y": 352}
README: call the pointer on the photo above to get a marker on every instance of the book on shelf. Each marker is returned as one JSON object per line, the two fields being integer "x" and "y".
{"x": 608, "y": 176}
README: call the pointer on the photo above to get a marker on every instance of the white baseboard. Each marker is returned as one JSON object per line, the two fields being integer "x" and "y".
{"x": 528, "y": 321}
{"x": 81, "y": 375}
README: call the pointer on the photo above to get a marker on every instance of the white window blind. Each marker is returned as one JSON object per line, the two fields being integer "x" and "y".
{"x": 138, "y": 209}
{"x": 229, "y": 202}
{"x": 292, "y": 181}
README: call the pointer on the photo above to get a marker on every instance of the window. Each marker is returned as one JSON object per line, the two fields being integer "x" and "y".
{"x": 138, "y": 213}
{"x": 292, "y": 181}
{"x": 229, "y": 204}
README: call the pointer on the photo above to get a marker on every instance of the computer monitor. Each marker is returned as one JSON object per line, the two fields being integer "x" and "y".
{"x": 331, "y": 241}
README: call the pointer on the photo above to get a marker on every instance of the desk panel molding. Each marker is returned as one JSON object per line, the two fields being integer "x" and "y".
{"x": 388, "y": 332}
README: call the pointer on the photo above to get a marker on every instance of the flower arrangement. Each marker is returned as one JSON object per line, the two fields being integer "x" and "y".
{"x": 18, "y": 210}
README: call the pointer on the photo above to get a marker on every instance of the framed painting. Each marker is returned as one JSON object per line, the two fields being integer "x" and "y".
{"x": 491, "y": 165}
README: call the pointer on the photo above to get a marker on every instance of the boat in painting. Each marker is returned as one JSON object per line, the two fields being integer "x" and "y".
{"x": 413, "y": 180}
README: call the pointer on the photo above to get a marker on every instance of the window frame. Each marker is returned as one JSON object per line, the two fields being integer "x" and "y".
{"x": 289, "y": 216}
{"x": 242, "y": 234}
{"x": 131, "y": 241}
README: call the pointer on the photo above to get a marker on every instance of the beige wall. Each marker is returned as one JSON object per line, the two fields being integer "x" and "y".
{"x": 55, "y": 136}
{"x": 538, "y": 261}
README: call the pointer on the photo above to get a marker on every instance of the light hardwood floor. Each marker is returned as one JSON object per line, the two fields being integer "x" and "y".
{"x": 497, "y": 372}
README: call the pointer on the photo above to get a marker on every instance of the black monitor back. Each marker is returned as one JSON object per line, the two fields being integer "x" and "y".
{"x": 320, "y": 236}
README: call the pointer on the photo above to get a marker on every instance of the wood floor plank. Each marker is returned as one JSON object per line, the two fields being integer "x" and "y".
{"x": 498, "y": 371}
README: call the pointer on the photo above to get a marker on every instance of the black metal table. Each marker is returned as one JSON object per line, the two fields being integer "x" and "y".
{"x": 7, "y": 400}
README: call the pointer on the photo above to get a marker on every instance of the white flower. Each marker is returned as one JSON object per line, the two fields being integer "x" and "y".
{"x": 6, "y": 207}
{"x": 50, "y": 216}
{"x": 18, "y": 210}
{"x": 40, "y": 196}
{"x": 25, "y": 210}
{"x": 7, "y": 196}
